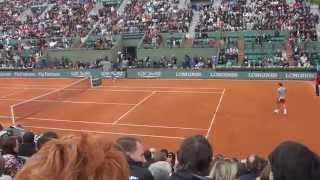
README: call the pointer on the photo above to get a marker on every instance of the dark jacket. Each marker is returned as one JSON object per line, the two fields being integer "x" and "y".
{"x": 184, "y": 175}
{"x": 138, "y": 172}
{"x": 27, "y": 149}
{"x": 249, "y": 176}
{"x": 294, "y": 161}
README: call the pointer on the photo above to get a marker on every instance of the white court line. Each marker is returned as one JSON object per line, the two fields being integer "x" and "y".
{"x": 161, "y": 87}
{"x": 96, "y": 89}
{"x": 103, "y": 123}
{"x": 165, "y": 127}
{"x": 105, "y": 132}
{"x": 17, "y": 87}
{"x": 33, "y": 85}
{"x": 189, "y": 92}
{"x": 134, "y": 107}
{"x": 115, "y": 90}
{"x": 120, "y": 90}
{"x": 72, "y": 102}
{"x": 102, "y": 87}
{"x": 148, "y": 91}
{"x": 215, "y": 113}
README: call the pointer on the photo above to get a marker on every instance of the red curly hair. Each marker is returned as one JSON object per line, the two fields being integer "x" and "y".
{"x": 77, "y": 157}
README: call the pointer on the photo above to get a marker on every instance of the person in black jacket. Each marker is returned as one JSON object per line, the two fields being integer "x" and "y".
{"x": 317, "y": 84}
{"x": 294, "y": 161}
{"x": 254, "y": 166}
{"x": 28, "y": 146}
{"x": 134, "y": 150}
{"x": 194, "y": 158}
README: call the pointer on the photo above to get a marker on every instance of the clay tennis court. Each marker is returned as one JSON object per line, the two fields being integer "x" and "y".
{"x": 236, "y": 116}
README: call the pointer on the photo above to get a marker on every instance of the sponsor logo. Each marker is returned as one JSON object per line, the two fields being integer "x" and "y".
{"x": 188, "y": 74}
{"x": 259, "y": 75}
{"x": 117, "y": 74}
{"x": 149, "y": 74}
{"x": 80, "y": 73}
{"x": 25, "y": 74}
{"x": 300, "y": 75}
{"x": 224, "y": 74}
{"x": 49, "y": 74}
{"x": 5, "y": 74}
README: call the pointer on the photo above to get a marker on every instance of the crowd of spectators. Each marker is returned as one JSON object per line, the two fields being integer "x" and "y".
{"x": 153, "y": 18}
{"x": 28, "y": 30}
{"x": 28, "y": 156}
{"x": 62, "y": 20}
{"x": 303, "y": 31}
{"x": 279, "y": 59}
{"x": 262, "y": 16}
{"x": 172, "y": 62}
{"x": 160, "y": 15}
{"x": 229, "y": 16}
{"x": 235, "y": 15}
{"x": 229, "y": 52}
{"x": 106, "y": 26}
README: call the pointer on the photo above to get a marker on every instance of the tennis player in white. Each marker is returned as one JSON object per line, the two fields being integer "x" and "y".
{"x": 281, "y": 99}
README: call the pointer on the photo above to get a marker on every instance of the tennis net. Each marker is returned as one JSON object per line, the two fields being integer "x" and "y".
{"x": 37, "y": 104}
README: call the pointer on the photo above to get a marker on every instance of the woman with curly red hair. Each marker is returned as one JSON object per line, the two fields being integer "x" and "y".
{"x": 77, "y": 157}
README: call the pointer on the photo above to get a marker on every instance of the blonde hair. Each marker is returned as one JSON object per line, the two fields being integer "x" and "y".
{"x": 77, "y": 157}
{"x": 224, "y": 170}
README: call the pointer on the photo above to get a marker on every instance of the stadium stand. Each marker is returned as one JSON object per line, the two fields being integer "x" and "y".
{"x": 246, "y": 33}
{"x": 56, "y": 34}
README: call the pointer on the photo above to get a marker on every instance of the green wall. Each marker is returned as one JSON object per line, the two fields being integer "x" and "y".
{"x": 156, "y": 54}
{"x": 83, "y": 55}
{"x": 211, "y": 74}
{"x": 168, "y": 74}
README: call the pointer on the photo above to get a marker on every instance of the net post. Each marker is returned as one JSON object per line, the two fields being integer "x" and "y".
{"x": 13, "y": 119}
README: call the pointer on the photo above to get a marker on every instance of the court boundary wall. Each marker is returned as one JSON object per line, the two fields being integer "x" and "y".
{"x": 166, "y": 74}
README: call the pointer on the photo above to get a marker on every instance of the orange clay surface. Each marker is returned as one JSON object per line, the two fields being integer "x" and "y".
{"x": 236, "y": 116}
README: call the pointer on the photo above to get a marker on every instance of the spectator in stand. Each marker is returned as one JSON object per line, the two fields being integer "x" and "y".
{"x": 2, "y": 167}
{"x": 224, "y": 170}
{"x": 293, "y": 161}
{"x": 148, "y": 156}
{"x": 28, "y": 146}
{"x": 10, "y": 148}
{"x": 161, "y": 169}
{"x": 46, "y": 137}
{"x": 171, "y": 159}
{"x": 134, "y": 149}
{"x": 194, "y": 158}
{"x": 317, "y": 83}
{"x": 266, "y": 173}
{"x": 254, "y": 166}
{"x": 77, "y": 157}
{"x": 164, "y": 152}
{"x": 153, "y": 152}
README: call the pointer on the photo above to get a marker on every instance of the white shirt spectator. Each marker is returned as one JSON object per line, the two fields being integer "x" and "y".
{"x": 5, "y": 177}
